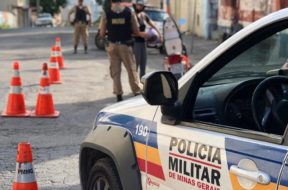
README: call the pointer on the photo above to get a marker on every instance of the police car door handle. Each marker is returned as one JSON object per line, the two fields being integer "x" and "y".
{"x": 255, "y": 176}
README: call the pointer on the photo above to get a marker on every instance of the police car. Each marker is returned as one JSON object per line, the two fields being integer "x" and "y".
{"x": 221, "y": 126}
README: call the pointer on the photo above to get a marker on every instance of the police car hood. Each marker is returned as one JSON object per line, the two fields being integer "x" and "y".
{"x": 136, "y": 107}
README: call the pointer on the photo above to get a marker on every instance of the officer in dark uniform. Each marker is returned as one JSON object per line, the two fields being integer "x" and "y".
{"x": 80, "y": 24}
{"x": 120, "y": 23}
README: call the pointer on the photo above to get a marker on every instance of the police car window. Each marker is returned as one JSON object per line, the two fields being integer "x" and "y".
{"x": 256, "y": 61}
{"x": 226, "y": 97}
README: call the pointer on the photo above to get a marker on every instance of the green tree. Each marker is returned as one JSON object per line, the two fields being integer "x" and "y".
{"x": 105, "y": 3}
{"x": 50, "y": 6}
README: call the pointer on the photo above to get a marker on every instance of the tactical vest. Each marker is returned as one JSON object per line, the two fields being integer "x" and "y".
{"x": 80, "y": 15}
{"x": 142, "y": 27}
{"x": 119, "y": 25}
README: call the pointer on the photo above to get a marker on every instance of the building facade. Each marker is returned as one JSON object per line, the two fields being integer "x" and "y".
{"x": 200, "y": 16}
{"x": 247, "y": 11}
{"x": 210, "y": 18}
{"x": 18, "y": 9}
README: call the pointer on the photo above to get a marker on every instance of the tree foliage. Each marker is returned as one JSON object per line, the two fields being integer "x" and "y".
{"x": 49, "y": 6}
{"x": 105, "y": 3}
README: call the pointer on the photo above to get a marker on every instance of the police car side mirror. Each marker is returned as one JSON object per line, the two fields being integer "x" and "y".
{"x": 160, "y": 88}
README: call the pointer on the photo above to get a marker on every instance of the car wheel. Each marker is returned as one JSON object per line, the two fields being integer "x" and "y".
{"x": 103, "y": 176}
{"x": 99, "y": 42}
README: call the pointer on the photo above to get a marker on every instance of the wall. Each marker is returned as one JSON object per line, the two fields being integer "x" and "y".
{"x": 200, "y": 16}
{"x": 183, "y": 10}
{"x": 154, "y": 3}
{"x": 18, "y": 9}
{"x": 246, "y": 10}
{"x": 7, "y": 20}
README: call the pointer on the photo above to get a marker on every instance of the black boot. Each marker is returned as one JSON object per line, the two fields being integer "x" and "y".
{"x": 75, "y": 49}
{"x": 119, "y": 98}
{"x": 85, "y": 49}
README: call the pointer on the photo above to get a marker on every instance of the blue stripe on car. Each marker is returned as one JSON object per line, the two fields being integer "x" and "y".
{"x": 130, "y": 124}
{"x": 268, "y": 159}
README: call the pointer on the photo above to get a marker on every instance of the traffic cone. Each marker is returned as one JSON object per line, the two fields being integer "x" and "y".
{"x": 59, "y": 54}
{"x": 25, "y": 176}
{"x": 16, "y": 102}
{"x": 44, "y": 106}
{"x": 53, "y": 70}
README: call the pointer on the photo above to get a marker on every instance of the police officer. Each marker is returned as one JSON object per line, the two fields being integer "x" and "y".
{"x": 120, "y": 23}
{"x": 140, "y": 49}
{"x": 80, "y": 24}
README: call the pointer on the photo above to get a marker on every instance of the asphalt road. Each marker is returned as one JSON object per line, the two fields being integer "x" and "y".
{"x": 86, "y": 89}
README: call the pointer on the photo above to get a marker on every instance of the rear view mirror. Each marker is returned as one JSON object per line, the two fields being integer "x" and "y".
{"x": 160, "y": 88}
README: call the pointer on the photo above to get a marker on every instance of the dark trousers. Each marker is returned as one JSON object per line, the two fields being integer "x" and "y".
{"x": 140, "y": 51}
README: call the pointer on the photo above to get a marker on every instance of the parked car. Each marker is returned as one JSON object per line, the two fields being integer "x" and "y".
{"x": 223, "y": 125}
{"x": 44, "y": 19}
{"x": 157, "y": 16}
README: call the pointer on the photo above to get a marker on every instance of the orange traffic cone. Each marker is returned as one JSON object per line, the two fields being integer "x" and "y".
{"x": 25, "y": 176}
{"x": 54, "y": 73}
{"x": 44, "y": 106}
{"x": 16, "y": 102}
{"x": 59, "y": 54}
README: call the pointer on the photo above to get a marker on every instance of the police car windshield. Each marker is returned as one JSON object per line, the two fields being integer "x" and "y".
{"x": 256, "y": 61}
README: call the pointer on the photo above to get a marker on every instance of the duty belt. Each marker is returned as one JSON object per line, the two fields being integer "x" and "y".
{"x": 119, "y": 42}
{"x": 128, "y": 43}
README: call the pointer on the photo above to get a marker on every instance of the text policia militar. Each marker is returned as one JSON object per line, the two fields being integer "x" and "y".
{"x": 196, "y": 164}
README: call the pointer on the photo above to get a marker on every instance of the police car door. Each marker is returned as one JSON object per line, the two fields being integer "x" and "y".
{"x": 205, "y": 155}
{"x": 193, "y": 158}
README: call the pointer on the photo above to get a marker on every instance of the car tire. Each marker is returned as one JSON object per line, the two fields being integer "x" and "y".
{"x": 103, "y": 175}
{"x": 99, "y": 42}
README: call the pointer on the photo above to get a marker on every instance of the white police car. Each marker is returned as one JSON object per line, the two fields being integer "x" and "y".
{"x": 222, "y": 126}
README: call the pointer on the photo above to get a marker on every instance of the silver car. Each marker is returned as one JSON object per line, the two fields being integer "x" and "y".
{"x": 44, "y": 19}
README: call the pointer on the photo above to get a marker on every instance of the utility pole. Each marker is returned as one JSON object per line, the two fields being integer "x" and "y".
{"x": 38, "y": 7}
{"x": 161, "y": 4}
{"x": 193, "y": 27}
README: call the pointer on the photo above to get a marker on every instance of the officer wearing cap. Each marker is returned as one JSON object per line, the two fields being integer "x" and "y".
{"x": 140, "y": 49}
{"x": 120, "y": 23}
{"x": 80, "y": 24}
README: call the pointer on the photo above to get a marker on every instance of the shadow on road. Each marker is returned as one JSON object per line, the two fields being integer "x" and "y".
{"x": 62, "y": 137}
{"x": 74, "y": 187}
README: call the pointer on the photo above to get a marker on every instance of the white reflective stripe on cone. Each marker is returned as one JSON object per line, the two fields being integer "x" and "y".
{"x": 15, "y": 90}
{"x": 16, "y": 73}
{"x": 24, "y": 173}
{"x": 58, "y": 44}
{"x": 44, "y": 90}
{"x": 53, "y": 54}
{"x": 53, "y": 65}
{"x": 57, "y": 53}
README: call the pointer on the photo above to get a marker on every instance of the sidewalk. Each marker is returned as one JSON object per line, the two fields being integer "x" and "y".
{"x": 198, "y": 48}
